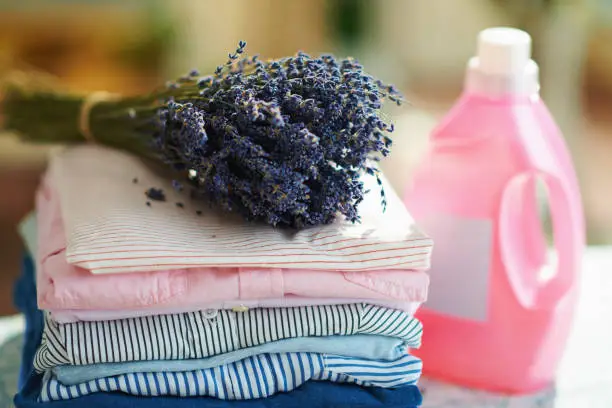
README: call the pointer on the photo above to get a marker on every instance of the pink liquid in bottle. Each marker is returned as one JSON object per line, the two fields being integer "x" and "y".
{"x": 493, "y": 321}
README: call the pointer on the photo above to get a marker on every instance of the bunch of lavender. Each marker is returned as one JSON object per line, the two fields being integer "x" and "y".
{"x": 284, "y": 141}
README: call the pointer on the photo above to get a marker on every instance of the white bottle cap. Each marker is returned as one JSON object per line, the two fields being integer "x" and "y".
{"x": 503, "y": 63}
{"x": 503, "y": 51}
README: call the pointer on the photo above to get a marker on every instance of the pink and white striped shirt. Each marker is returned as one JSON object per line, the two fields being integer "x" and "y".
{"x": 109, "y": 229}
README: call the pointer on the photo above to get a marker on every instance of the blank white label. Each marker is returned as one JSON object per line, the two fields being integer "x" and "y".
{"x": 460, "y": 265}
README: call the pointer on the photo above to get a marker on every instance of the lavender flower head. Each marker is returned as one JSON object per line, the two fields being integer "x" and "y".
{"x": 282, "y": 141}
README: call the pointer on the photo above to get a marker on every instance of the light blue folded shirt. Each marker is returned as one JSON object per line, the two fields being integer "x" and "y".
{"x": 370, "y": 347}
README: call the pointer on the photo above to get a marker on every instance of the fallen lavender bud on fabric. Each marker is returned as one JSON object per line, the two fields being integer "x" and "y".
{"x": 156, "y": 194}
{"x": 282, "y": 141}
{"x": 177, "y": 185}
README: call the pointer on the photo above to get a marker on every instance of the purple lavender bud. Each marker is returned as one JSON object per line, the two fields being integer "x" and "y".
{"x": 277, "y": 121}
{"x": 204, "y": 81}
{"x": 177, "y": 185}
{"x": 156, "y": 194}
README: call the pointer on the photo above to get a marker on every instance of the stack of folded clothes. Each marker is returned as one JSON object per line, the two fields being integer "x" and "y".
{"x": 150, "y": 298}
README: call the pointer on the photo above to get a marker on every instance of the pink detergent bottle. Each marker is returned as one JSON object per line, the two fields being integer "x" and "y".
{"x": 495, "y": 319}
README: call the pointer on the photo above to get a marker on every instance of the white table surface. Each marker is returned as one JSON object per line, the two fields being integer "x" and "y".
{"x": 585, "y": 376}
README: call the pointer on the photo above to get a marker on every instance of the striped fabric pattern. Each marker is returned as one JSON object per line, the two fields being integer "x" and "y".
{"x": 258, "y": 376}
{"x": 207, "y": 333}
{"x": 109, "y": 229}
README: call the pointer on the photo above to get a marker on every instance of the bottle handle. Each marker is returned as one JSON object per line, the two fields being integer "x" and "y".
{"x": 528, "y": 289}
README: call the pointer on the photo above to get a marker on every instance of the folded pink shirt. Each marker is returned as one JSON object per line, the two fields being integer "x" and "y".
{"x": 73, "y": 293}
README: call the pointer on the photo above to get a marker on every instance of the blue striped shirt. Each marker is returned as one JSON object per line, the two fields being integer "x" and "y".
{"x": 257, "y": 376}
{"x": 208, "y": 333}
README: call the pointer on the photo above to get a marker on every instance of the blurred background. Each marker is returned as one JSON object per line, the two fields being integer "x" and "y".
{"x": 422, "y": 46}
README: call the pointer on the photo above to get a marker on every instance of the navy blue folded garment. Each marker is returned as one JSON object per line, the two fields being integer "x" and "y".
{"x": 24, "y": 298}
{"x": 312, "y": 394}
